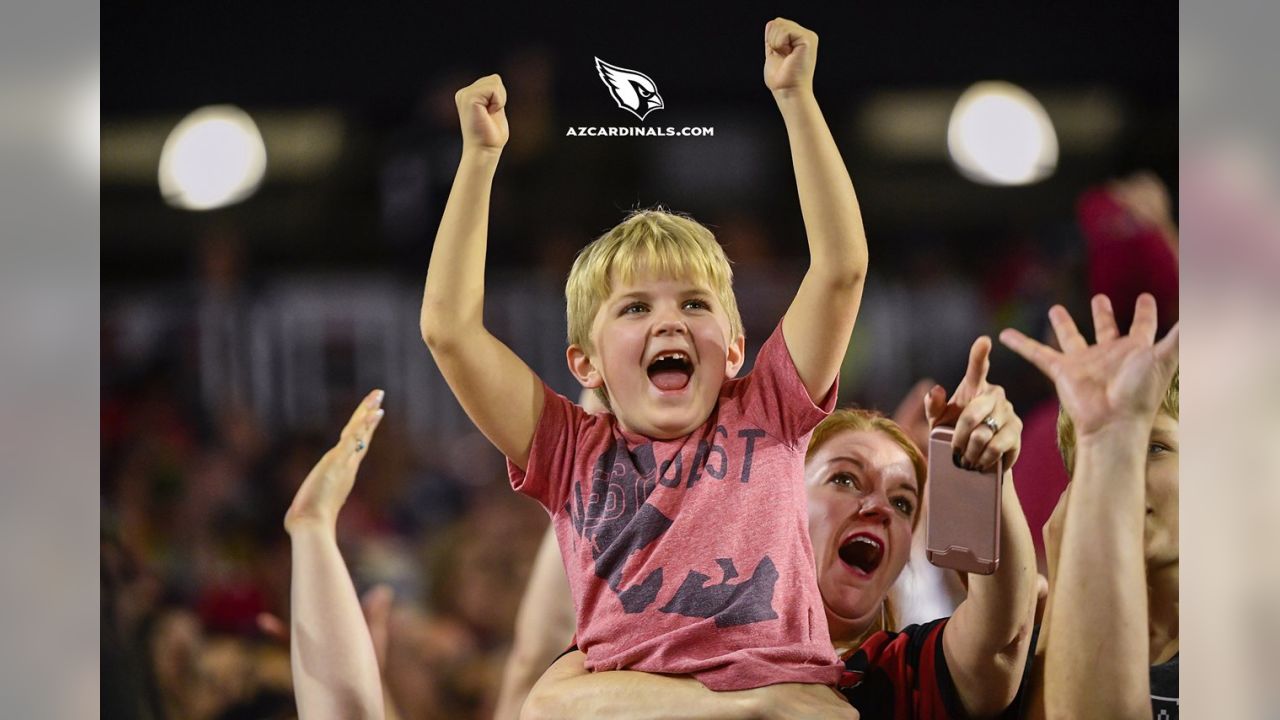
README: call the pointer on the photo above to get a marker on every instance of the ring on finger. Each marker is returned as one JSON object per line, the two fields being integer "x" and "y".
{"x": 991, "y": 424}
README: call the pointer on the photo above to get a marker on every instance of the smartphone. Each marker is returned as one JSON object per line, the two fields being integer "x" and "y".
{"x": 962, "y": 531}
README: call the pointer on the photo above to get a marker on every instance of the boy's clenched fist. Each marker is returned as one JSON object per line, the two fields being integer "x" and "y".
{"x": 482, "y": 114}
{"x": 790, "y": 52}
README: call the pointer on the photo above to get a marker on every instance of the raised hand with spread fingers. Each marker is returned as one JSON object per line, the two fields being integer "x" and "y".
{"x": 1119, "y": 379}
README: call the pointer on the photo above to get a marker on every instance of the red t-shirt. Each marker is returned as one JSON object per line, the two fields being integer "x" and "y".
{"x": 691, "y": 556}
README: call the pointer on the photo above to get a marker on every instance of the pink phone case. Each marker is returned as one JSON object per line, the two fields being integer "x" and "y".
{"x": 963, "y": 529}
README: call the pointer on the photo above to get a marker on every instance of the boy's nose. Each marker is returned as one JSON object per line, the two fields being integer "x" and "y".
{"x": 669, "y": 326}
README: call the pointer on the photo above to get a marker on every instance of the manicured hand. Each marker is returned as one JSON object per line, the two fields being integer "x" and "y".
{"x": 327, "y": 486}
{"x": 986, "y": 427}
{"x": 482, "y": 114}
{"x": 1120, "y": 379}
{"x": 790, "y": 53}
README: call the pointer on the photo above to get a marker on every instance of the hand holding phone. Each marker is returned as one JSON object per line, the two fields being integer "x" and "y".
{"x": 975, "y": 437}
{"x": 963, "y": 527}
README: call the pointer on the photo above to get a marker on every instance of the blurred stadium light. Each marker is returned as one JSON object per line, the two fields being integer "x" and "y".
{"x": 999, "y": 134}
{"x": 911, "y": 124}
{"x": 214, "y": 157}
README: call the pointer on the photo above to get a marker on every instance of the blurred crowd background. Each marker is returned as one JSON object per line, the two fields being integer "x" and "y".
{"x": 235, "y": 340}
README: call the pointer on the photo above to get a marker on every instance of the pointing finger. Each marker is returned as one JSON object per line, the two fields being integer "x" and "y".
{"x": 975, "y": 376}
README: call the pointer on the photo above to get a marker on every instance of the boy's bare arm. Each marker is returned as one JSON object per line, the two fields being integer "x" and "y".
{"x": 499, "y": 392}
{"x": 818, "y": 323}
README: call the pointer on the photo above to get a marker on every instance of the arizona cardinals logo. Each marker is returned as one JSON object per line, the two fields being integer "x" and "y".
{"x": 634, "y": 91}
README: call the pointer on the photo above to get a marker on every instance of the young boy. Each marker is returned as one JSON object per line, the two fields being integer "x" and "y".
{"x": 681, "y": 516}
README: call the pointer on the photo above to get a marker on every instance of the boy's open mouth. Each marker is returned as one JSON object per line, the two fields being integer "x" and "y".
{"x": 670, "y": 370}
{"x": 862, "y": 552}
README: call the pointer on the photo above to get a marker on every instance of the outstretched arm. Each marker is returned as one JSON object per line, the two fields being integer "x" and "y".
{"x": 568, "y": 690}
{"x": 1097, "y": 655}
{"x": 988, "y": 637}
{"x": 335, "y": 666}
{"x": 818, "y": 323}
{"x": 499, "y": 392}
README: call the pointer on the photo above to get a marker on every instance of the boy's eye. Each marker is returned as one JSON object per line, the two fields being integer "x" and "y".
{"x": 634, "y": 308}
{"x": 696, "y": 305}
{"x": 904, "y": 506}
{"x": 1156, "y": 448}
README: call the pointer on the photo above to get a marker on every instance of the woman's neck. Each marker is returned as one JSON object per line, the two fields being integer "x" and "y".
{"x": 849, "y": 633}
{"x": 1162, "y": 613}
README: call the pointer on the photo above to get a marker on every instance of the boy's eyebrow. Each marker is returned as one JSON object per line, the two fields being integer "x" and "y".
{"x": 633, "y": 295}
{"x": 645, "y": 294}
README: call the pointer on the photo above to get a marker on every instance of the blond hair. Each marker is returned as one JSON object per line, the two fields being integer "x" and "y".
{"x": 646, "y": 242}
{"x": 858, "y": 420}
{"x": 1067, "y": 429}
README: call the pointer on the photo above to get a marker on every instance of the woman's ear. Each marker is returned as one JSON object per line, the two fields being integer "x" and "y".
{"x": 735, "y": 356}
{"x": 582, "y": 368}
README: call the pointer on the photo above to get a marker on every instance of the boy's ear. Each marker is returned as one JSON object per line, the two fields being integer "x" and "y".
{"x": 735, "y": 357}
{"x": 582, "y": 368}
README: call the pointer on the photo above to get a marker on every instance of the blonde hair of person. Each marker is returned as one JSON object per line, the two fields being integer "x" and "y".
{"x": 646, "y": 242}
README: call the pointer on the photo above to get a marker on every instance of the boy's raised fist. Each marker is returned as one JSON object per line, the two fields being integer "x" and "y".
{"x": 482, "y": 113}
{"x": 790, "y": 52}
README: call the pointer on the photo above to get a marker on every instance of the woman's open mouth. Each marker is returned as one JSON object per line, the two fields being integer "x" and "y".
{"x": 862, "y": 552}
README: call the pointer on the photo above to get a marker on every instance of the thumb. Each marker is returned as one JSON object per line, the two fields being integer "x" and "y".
{"x": 935, "y": 403}
{"x": 912, "y": 403}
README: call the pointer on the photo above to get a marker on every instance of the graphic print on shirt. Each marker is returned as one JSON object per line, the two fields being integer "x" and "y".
{"x": 616, "y": 522}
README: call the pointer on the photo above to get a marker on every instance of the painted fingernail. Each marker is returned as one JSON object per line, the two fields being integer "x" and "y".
{"x": 375, "y": 416}
{"x": 955, "y": 458}
{"x": 376, "y": 399}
